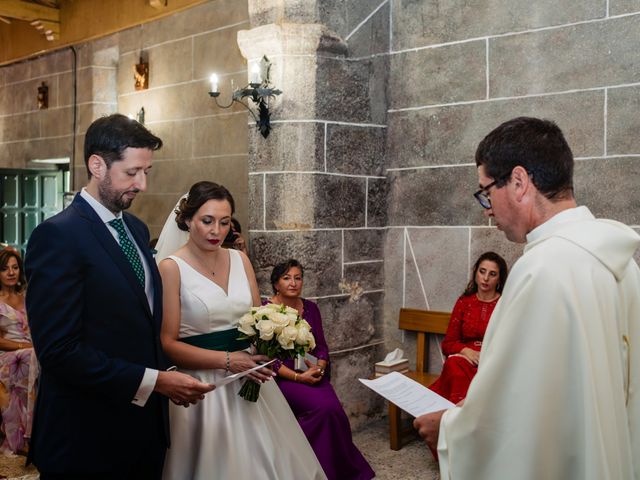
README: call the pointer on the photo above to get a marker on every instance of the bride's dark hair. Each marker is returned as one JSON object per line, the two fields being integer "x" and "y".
{"x": 199, "y": 194}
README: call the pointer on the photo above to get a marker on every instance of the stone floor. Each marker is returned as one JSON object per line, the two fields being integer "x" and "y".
{"x": 12, "y": 466}
{"x": 413, "y": 461}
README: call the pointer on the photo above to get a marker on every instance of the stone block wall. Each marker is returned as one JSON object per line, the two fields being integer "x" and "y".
{"x": 317, "y": 187}
{"x": 201, "y": 141}
{"x": 457, "y": 71}
{"x": 27, "y": 133}
{"x": 369, "y": 171}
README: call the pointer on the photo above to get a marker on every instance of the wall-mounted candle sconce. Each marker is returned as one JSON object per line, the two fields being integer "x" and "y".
{"x": 259, "y": 90}
{"x": 43, "y": 96}
{"x": 141, "y": 75}
{"x": 140, "y": 115}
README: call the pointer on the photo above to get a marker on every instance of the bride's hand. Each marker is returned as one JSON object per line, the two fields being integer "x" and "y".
{"x": 241, "y": 361}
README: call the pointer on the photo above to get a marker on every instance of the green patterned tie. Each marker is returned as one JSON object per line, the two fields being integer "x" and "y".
{"x": 129, "y": 249}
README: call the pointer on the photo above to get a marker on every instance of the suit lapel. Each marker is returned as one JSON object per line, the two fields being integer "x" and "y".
{"x": 113, "y": 249}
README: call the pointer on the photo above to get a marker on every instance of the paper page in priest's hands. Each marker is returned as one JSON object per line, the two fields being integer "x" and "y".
{"x": 239, "y": 375}
{"x": 408, "y": 394}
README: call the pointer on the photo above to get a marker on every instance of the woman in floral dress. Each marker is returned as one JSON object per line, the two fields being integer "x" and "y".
{"x": 18, "y": 364}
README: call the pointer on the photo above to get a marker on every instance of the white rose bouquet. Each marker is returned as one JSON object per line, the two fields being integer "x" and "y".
{"x": 276, "y": 331}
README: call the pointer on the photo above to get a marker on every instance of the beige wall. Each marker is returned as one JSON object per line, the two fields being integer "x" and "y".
{"x": 27, "y": 133}
{"x": 201, "y": 141}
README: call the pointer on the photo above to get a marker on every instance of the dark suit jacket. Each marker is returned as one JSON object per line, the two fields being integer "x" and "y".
{"x": 94, "y": 334}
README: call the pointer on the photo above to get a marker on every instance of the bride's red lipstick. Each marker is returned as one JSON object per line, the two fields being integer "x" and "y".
{"x": 213, "y": 241}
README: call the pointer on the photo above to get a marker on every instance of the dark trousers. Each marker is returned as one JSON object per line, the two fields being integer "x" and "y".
{"x": 147, "y": 464}
{"x": 148, "y": 468}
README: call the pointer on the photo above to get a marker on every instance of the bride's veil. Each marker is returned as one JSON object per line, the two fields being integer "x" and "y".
{"x": 171, "y": 238}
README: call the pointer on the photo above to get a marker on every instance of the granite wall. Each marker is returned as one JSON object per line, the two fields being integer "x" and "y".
{"x": 369, "y": 172}
{"x": 317, "y": 184}
{"x": 457, "y": 70}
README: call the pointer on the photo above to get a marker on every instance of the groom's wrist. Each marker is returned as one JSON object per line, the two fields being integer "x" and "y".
{"x": 146, "y": 387}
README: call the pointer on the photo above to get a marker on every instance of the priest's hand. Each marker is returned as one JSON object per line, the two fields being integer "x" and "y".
{"x": 428, "y": 427}
{"x": 470, "y": 354}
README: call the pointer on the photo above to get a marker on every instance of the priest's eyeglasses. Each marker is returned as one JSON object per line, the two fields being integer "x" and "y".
{"x": 484, "y": 197}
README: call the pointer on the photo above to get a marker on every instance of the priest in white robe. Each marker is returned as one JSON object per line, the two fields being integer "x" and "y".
{"x": 556, "y": 396}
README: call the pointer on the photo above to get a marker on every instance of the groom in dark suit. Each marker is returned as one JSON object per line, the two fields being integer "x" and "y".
{"x": 94, "y": 304}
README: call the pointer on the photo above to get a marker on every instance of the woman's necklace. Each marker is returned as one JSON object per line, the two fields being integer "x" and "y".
{"x": 209, "y": 269}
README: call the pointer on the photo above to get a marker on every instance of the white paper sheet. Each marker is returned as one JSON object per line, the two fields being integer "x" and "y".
{"x": 299, "y": 362}
{"x": 407, "y": 394}
{"x": 239, "y": 375}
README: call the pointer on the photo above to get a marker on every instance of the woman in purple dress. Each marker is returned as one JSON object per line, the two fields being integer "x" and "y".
{"x": 309, "y": 392}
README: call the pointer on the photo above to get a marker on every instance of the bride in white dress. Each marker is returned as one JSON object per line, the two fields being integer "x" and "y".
{"x": 206, "y": 290}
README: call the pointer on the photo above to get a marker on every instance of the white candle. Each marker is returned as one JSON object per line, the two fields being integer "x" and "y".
{"x": 254, "y": 74}
{"x": 213, "y": 79}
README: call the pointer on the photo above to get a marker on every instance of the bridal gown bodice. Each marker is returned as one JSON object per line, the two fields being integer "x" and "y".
{"x": 225, "y": 436}
{"x": 205, "y": 306}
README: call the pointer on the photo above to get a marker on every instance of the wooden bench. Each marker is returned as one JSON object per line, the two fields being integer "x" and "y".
{"x": 423, "y": 322}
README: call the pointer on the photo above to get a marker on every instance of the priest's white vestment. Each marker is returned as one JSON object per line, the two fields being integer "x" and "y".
{"x": 556, "y": 396}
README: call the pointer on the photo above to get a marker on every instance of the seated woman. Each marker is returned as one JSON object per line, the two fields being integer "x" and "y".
{"x": 18, "y": 364}
{"x": 234, "y": 238}
{"x": 309, "y": 393}
{"x": 468, "y": 323}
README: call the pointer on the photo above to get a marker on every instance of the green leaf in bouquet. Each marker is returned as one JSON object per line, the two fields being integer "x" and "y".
{"x": 250, "y": 391}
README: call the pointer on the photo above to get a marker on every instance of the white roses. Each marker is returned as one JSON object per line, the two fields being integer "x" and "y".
{"x": 277, "y": 331}
{"x": 279, "y": 325}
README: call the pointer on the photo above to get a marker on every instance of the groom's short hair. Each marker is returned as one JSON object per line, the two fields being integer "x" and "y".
{"x": 110, "y": 136}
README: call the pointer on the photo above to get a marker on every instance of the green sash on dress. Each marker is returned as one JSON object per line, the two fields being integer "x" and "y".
{"x": 223, "y": 341}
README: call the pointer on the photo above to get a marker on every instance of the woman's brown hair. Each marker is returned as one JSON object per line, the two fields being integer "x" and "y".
{"x": 5, "y": 254}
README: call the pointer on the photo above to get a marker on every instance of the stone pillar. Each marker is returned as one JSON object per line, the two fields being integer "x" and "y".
{"x": 316, "y": 184}
{"x": 97, "y": 64}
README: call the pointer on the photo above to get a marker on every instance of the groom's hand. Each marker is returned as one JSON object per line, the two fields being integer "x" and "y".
{"x": 182, "y": 389}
